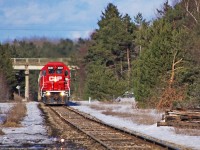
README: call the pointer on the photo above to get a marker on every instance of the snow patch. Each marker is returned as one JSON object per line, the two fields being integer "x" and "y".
{"x": 162, "y": 133}
{"x": 32, "y": 131}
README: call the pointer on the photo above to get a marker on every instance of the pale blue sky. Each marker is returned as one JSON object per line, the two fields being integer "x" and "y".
{"x": 63, "y": 18}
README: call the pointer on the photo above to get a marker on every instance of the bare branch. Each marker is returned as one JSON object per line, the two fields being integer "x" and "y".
{"x": 178, "y": 61}
{"x": 197, "y": 5}
{"x": 187, "y": 9}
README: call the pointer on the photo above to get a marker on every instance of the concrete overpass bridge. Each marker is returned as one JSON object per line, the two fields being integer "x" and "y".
{"x": 36, "y": 64}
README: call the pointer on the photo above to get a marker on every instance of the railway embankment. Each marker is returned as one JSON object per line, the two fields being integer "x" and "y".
{"x": 42, "y": 128}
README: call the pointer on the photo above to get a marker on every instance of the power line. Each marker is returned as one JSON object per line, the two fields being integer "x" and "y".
{"x": 29, "y": 29}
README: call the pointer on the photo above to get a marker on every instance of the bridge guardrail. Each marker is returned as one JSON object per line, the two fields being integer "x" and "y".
{"x": 38, "y": 61}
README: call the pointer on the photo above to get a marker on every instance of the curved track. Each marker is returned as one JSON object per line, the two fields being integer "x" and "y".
{"x": 107, "y": 136}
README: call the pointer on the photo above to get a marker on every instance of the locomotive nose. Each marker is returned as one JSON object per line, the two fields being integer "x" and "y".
{"x": 55, "y": 78}
{"x": 54, "y": 82}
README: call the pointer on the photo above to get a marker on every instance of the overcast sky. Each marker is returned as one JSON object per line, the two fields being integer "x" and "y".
{"x": 63, "y": 18}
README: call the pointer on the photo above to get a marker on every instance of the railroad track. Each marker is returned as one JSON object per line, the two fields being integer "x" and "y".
{"x": 107, "y": 136}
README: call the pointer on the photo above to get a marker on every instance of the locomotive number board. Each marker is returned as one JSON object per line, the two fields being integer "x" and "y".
{"x": 50, "y": 67}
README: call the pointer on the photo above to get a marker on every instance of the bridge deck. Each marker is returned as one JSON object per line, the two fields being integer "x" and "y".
{"x": 37, "y": 63}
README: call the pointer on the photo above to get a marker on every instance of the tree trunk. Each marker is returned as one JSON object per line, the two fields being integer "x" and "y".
{"x": 129, "y": 65}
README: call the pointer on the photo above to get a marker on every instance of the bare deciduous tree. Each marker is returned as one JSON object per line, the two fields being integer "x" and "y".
{"x": 171, "y": 94}
{"x": 193, "y": 12}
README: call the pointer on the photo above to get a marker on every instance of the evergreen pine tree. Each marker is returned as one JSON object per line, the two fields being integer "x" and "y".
{"x": 112, "y": 48}
{"x": 7, "y": 82}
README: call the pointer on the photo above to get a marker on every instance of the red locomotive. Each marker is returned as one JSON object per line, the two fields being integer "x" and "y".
{"x": 54, "y": 83}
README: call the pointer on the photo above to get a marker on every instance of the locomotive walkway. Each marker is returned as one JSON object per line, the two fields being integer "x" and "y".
{"x": 36, "y": 64}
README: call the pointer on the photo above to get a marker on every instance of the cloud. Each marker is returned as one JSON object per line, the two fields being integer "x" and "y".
{"x": 80, "y": 34}
{"x": 71, "y": 11}
{"x": 30, "y": 13}
{"x": 63, "y": 14}
{"x": 146, "y": 7}
{"x": 63, "y": 17}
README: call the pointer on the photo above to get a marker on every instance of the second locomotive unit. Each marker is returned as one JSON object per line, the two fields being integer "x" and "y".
{"x": 54, "y": 83}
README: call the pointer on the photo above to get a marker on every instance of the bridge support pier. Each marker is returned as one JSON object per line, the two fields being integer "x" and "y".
{"x": 26, "y": 83}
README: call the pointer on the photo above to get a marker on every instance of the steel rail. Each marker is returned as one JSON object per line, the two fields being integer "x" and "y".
{"x": 164, "y": 144}
{"x": 73, "y": 125}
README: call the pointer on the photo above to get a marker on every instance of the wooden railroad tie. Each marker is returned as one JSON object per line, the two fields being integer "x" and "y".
{"x": 181, "y": 118}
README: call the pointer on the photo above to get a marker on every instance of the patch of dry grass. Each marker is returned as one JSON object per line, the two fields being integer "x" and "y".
{"x": 15, "y": 115}
{"x": 146, "y": 119}
{"x": 1, "y": 132}
{"x": 190, "y": 132}
{"x": 17, "y": 97}
{"x": 138, "y": 116}
{"x": 97, "y": 107}
{"x": 118, "y": 114}
{"x": 146, "y": 116}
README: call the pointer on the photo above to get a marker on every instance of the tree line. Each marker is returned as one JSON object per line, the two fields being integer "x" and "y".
{"x": 157, "y": 60}
{"x": 29, "y": 48}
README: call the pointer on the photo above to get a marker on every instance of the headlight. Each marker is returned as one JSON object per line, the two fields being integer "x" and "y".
{"x": 62, "y": 93}
{"x": 48, "y": 93}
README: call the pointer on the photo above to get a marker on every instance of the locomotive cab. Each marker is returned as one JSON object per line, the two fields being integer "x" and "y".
{"x": 54, "y": 83}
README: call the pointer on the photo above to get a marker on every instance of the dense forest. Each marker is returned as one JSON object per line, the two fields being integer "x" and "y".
{"x": 157, "y": 60}
{"x": 33, "y": 48}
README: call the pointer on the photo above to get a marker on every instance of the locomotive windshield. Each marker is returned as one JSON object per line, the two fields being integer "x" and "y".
{"x": 51, "y": 70}
{"x": 59, "y": 70}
